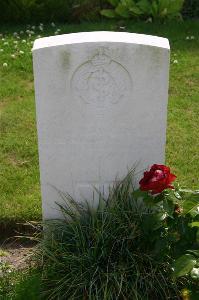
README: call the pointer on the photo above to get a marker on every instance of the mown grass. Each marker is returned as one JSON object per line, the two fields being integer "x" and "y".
{"x": 20, "y": 285}
{"x": 19, "y": 172}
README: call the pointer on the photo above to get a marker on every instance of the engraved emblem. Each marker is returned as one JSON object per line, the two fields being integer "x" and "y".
{"x": 101, "y": 80}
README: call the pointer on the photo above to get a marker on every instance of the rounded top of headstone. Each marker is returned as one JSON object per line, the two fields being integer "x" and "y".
{"x": 101, "y": 36}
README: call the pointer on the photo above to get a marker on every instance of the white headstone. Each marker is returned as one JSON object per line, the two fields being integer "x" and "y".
{"x": 101, "y": 102}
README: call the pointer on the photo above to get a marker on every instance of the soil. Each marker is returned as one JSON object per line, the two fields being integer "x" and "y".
{"x": 15, "y": 253}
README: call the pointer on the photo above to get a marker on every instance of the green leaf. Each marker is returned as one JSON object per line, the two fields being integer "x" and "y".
{"x": 145, "y": 6}
{"x": 194, "y": 224}
{"x": 177, "y": 195}
{"x": 174, "y": 6}
{"x": 140, "y": 194}
{"x": 191, "y": 204}
{"x": 194, "y": 252}
{"x": 190, "y": 200}
{"x": 154, "y": 9}
{"x": 184, "y": 264}
{"x": 109, "y": 13}
{"x": 162, "y": 4}
{"x": 169, "y": 7}
{"x": 145, "y": 196}
{"x": 187, "y": 191}
{"x": 153, "y": 221}
{"x": 114, "y": 2}
{"x": 150, "y": 200}
{"x": 127, "y": 3}
{"x": 122, "y": 11}
{"x": 169, "y": 206}
{"x": 135, "y": 10}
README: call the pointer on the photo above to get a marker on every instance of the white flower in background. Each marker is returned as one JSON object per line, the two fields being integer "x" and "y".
{"x": 33, "y": 27}
{"x": 1, "y": 34}
{"x": 56, "y": 33}
{"x": 21, "y": 52}
{"x": 3, "y": 39}
{"x": 27, "y": 31}
{"x": 13, "y": 56}
{"x": 175, "y": 54}
{"x": 53, "y": 24}
{"x": 6, "y": 43}
{"x": 18, "y": 37}
{"x": 175, "y": 61}
{"x": 15, "y": 46}
{"x": 32, "y": 32}
{"x": 15, "y": 33}
{"x": 5, "y": 65}
{"x": 21, "y": 32}
{"x": 15, "y": 42}
{"x": 32, "y": 42}
{"x": 41, "y": 24}
{"x": 192, "y": 37}
{"x": 39, "y": 36}
{"x": 23, "y": 41}
{"x": 41, "y": 28}
{"x": 1, "y": 50}
{"x": 187, "y": 37}
{"x": 58, "y": 30}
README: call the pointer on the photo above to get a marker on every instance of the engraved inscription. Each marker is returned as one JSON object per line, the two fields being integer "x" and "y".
{"x": 101, "y": 80}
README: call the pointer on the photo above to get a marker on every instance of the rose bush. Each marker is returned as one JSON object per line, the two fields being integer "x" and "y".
{"x": 173, "y": 221}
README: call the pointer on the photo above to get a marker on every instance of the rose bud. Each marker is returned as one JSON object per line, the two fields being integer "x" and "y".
{"x": 177, "y": 209}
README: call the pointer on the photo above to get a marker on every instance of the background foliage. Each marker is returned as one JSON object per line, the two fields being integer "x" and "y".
{"x": 144, "y": 9}
{"x": 23, "y": 11}
{"x": 191, "y": 9}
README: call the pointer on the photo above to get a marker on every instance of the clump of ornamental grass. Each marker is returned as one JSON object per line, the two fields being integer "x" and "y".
{"x": 121, "y": 249}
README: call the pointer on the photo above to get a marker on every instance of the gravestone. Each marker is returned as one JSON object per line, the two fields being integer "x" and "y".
{"x": 101, "y": 104}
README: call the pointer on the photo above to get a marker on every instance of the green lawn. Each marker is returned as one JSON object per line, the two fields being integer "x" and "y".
{"x": 19, "y": 172}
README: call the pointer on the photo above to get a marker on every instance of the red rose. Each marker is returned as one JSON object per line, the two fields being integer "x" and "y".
{"x": 157, "y": 179}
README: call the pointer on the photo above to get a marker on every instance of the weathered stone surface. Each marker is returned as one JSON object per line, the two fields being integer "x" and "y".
{"x": 101, "y": 101}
